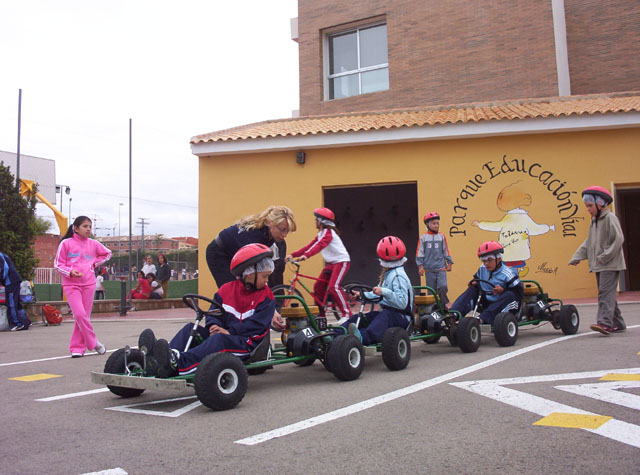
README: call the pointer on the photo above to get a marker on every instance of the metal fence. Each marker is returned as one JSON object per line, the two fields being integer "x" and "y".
{"x": 47, "y": 275}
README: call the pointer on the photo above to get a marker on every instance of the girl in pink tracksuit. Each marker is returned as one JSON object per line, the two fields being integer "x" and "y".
{"x": 77, "y": 257}
{"x": 336, "y": 259}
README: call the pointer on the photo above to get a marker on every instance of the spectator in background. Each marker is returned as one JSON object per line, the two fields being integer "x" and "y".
{"x": 148, "y": 266}
{"x": 10, "y": 278}
{"x": 142, "y": 289}
{"x": 184, "y": 274}
{"x": 164, "y": 274}
{"x": 99, "y": 294}
{"x": 156, "y": 289}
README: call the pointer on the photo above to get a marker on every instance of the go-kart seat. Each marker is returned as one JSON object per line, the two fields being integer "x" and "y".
{"x": 260, "y": 352}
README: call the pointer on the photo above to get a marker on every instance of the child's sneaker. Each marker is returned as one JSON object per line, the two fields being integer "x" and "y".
{"x": 100, "y": 348}
{"x": 166, "y": 358}
{"x": 615, "y": 329}
{"x": 17, "y": 328}
{"x": 76, "y": 355}
{"x": 147, "y": 339}
{"x": 353, "y": 330}
{"x": 598, "y": 327}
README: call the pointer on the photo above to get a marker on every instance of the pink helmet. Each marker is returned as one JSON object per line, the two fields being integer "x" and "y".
{"x": 598, "y": 191}
{"x": 429, "y": 216}
{"x": 391, "y": 248}
{"x": 325, "y": 213}
{"x": 490, "y": 248}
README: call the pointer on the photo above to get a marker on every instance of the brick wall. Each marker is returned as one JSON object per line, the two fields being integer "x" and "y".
{"x": 45, "y": 248}
{"x": 603, "y": 42}
{"x": 439, "y": 52}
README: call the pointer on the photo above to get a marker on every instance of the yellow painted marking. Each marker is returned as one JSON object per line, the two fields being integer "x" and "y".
{"x": 620, "y": 377}
{"x": 573, "y": 421}
{"x": 37, "y": 377}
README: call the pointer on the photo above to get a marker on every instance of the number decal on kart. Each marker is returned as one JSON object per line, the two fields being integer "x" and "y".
{"x": 541, "y": 304}
{"x": 436, "y": 316}
{"x": 308, "y": 332}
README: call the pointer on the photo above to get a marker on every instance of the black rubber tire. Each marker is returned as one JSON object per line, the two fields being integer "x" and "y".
{"x": 452, "y": 336}
{"x": 505, "y": 329}
{"x": 346, "y": 357}
{"x": 432, "y": 340}
{"x": 284, "y": 289}
{"x": 468, "y": 335}
{"x": 303, "y": 363}
{"x": 115, "y": 365}
{"x": 396, "y": 348}
{"x": 569, "y": 319}
{"x": 221, "y": 381}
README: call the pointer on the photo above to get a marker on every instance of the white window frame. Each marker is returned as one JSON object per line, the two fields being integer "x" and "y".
{"x": 359, "y": 71}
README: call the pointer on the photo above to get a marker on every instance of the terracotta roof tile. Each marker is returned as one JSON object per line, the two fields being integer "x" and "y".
{"x": 508, "y": 110}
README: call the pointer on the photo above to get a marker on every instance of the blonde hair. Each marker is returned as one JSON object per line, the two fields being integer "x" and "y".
{"x": 273, "y": 215}
{"x": 382, "y": 274}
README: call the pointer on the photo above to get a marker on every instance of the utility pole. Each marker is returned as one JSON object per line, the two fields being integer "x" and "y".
{"x": 141, "y": 222}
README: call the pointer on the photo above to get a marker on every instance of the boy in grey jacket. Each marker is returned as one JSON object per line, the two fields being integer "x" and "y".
{"x": 433, "y": 257}
{"x": 603, "y": 250}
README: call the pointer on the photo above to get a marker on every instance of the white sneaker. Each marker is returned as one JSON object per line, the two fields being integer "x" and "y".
{"x": 100, "y": 348}
{"x": 76, "y": 355}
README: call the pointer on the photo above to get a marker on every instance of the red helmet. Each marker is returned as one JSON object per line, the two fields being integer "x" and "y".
{"x": 490, "y": 247}
{"x": 429, "y": 216}
{"x": 391, "y": 248}
{"x": 598, "y": 191}
{"x": 325, "y": 213}
{"x": 247, "y": 256}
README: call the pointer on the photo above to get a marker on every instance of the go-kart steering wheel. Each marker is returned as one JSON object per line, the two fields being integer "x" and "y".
{"x": 191, "y": 301}
{"x": 362, "y": 289}
{"x": 483, "y": 281}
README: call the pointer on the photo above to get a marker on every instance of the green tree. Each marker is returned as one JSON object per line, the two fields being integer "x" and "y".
{"x": 17, "y": 224}
{"x": 42, "y": 226}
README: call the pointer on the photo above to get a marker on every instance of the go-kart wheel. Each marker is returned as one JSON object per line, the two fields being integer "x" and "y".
{"x": 303, "y": 363}
{"x": 453, "y": 335}
{"x": 505, "y": 329}
{"x": 432, "y": 340}
{"x": 569, "y": 319}
{"x": 221, "y": 381}
{"x": 396, "y": 348}
{"x": 468, "y": 335}
{"x": 115, "y": 365}
{"x": 346, "y": 357}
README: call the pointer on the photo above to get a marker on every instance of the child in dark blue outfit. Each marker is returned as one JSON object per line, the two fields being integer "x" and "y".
{"x": 248, "y": 305}
{"x": 10, "y": 278}
{"x": 395, "y": 290}
{"x": 503, "y": 294}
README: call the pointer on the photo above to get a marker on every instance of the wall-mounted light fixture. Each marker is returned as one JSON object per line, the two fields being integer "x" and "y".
{"x": 301, "y": 157}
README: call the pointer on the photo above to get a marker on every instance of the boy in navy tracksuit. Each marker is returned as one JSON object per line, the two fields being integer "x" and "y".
{"x": 10, "y": 278}
{"x": 504, "y": 293}
{"x": 248, "y": 305}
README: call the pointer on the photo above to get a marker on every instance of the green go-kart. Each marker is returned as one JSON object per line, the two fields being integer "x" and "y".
{"x": 221, "y": 379}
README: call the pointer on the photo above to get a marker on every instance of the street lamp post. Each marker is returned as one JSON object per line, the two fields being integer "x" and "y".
{"x": 70, "y": 208}
{"x": 60, "y": 188}
{"x": 119, "y": 234}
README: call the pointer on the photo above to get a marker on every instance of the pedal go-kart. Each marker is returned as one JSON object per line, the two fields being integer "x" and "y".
{"x": 430, "y": 322}
{"x": 535, "y": 308}
{"x": 221, "y": 379}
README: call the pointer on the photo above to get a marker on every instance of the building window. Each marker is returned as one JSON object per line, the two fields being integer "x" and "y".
{"x": 357, "y": 62}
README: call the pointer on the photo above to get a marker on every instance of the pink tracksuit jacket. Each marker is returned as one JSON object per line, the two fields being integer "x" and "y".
{"x": 82, "y": 255}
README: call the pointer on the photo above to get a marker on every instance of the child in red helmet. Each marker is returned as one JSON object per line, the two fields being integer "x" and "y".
{"x": 248, "y": 309}
{"x": 396, "y": 291}
{"x": 603, "y": 250}
{"x": 504, "y": 293}
{"x": 433, "y": 257}
{"x": 336, "y": 258}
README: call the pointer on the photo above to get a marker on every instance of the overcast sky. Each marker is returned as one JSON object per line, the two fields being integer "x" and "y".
{"x": 178, "y": 69}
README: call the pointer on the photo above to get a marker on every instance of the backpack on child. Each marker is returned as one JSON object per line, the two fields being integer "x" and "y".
{"x": 26, "y": 292}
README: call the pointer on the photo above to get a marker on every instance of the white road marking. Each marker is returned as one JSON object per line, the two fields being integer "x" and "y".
{"x": 111, "y": 471}
{"x": 70, "y": 395}
{"x": 50, "y": 359}
{"x": 494, "y": 389}
{"x": 383, "y": 398}
{"x": 607, "y": 392}
{"x": 178, "y": 412}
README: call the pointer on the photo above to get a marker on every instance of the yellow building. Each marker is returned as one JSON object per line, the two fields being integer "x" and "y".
{"x": 510, "y": 171}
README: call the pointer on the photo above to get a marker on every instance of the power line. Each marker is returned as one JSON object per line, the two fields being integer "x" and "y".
{"x": 139, "y": 199}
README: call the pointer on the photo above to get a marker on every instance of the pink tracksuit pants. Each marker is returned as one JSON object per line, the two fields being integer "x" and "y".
{"x": 80, "y": 298}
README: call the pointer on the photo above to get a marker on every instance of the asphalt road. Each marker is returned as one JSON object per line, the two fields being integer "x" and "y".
{"x": 448, "y": 412}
